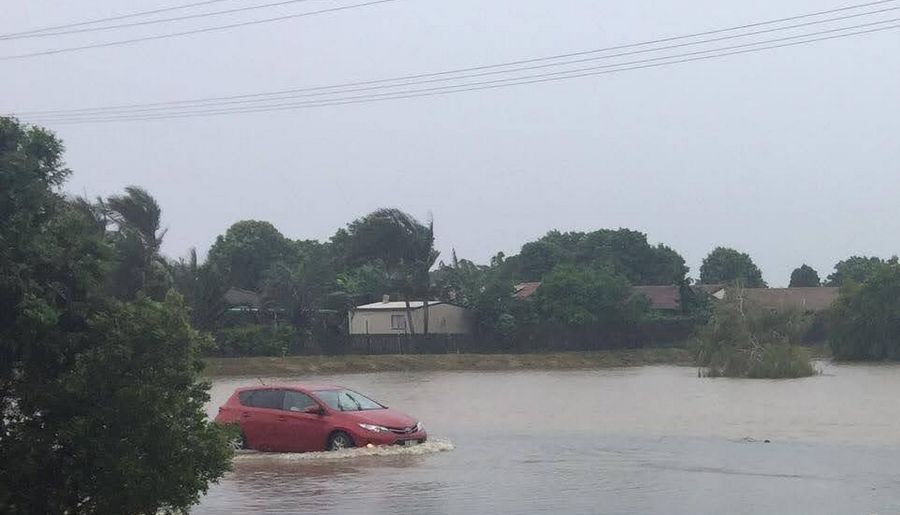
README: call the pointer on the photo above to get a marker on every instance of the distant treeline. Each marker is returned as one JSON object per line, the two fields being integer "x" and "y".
{"x": 585, "y": 300}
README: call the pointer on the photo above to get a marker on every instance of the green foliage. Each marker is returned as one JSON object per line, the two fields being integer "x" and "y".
{"x": 745, "y": 340}
{"x": 403, "y": 245}
{"x": 854, "y": 268}
{"x": 246, "y": 250}
{"x": 203, "y": 287}
{"x": 582, "y": 296}
{"x": 804, "y": 276}
{"x": 865, "y": 321}
{"x": 725, "y": 265}
{"x": 624, "y": 251}
{"x": 364, "y": 284}
{"x": 460, "y": 282}
{"x": 395, "y": 238}
{"x": 256, "y": 340}
{"x": 298, "y": 288}
{"x": 101, "y": 408}
{"x": 137, "y": 240}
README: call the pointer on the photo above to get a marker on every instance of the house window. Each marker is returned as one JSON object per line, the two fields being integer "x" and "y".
{"x": 398, "y": 322}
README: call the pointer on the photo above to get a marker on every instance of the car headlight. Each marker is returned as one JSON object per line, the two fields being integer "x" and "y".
{"x": 419, "y": 427}
{"x": 374, "y": 428}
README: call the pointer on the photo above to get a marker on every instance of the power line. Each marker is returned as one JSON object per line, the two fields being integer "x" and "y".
{"x": 112, "y": 18}
{"x": 189, "y": 32}
{"x": 443, "y": 90}
{"x": 509, "y": 64}
{"x": 312, "y": 92}
{"x": 152, "y": 22}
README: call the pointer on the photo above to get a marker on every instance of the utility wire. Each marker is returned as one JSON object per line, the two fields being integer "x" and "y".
{"x": 152, "y": 22}
{"x": 497, "y": 65}
{"x": 11, "y": 35}
{"x": 307, "y": 94}
{"x": 189, "y": 32}
{"x": 501, "y": 83}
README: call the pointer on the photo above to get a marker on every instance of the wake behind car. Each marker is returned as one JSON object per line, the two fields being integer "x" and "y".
{"x": 300, "y": 418}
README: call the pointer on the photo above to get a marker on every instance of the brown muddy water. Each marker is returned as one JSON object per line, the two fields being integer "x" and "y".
{"x": 637, "y": 440}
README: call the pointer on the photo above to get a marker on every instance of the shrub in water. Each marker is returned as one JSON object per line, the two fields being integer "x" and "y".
{"x": 742, "y": 339}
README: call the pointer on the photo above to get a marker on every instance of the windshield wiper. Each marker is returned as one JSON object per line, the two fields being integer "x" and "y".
{"x": 358, "y": 405}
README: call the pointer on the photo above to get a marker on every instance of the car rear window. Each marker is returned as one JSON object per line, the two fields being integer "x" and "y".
{"x": 271, "y": 399}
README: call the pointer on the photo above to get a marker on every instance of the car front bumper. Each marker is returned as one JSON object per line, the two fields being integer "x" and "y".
{"x": 364, "y": 438}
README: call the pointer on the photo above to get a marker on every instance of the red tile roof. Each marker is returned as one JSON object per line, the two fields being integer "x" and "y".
{"x": 525, "y": 290}
{"x": 666, "y": 298}
{"x": 661, "y": 297}
{"x": 815, "y": 298}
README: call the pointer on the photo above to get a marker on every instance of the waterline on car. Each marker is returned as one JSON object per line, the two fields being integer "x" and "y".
{"x": 431, "y": 446}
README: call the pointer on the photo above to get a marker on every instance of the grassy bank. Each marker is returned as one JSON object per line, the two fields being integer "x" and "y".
{"x": 310, "y": 365}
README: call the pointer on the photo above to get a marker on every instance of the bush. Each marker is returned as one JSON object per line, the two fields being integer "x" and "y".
{"x": 866, "y": 318}
{"x": 745, "y": 340}
{"x": 256, "y": 340}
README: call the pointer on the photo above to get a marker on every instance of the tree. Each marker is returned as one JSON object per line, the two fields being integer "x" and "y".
{"x": 102, "y": 411}
{"x": 537, "y": 258}
{"x": 246, "y": 250}
{"x": 725, "y": 265}
{"x": 299, "y": 287}
{"x": 202, "y": 286}
{"x": 136, "y": 216}
{"x": 628, "y": 253}
{"x": 582, "y": 296}
{"x": 854, "y": 268}
{"x": 624, "y": 251}
{"x": 865, "y": 321}
{"x": 402, "y": 244}
{"x": 459, "y": 282}
{"x": 804, "y": 276}
{"x": 742, "y": 339}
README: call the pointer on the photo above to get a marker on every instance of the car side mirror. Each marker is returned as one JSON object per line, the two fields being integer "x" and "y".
{"x": 315, "y": 409}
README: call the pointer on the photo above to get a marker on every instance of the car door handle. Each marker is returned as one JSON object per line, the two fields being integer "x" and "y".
{"x": 282, "y": 418}
{"x": 245, "y": 415}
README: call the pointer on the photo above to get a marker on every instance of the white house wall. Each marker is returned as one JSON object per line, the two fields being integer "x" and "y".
{"x": 442, "y": 319}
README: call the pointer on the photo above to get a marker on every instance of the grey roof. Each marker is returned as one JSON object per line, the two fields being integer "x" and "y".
{"x": 246, "y": 298}
{"x": 395, "y": 305}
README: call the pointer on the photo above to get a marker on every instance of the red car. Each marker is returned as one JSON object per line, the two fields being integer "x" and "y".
{"x": 298, "y": 418}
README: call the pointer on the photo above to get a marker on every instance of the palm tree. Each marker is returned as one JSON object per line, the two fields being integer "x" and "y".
{"x": 202, "y": 287}
{"x": 404, "y": 245}
{"x": 137, "y": 238}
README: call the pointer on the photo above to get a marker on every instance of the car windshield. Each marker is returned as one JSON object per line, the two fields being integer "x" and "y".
{"x": 347, "y": 400}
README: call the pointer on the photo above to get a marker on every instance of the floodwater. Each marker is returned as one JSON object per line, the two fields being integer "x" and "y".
{"x": 637, "y": 440}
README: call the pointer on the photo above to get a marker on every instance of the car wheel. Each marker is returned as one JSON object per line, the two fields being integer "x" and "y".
{"x": 339, "y": 440}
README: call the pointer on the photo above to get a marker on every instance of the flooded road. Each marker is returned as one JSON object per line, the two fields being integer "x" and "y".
{"x": 651, "y": 440}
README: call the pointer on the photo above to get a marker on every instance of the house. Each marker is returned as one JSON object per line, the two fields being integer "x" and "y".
{"x": 525, "y": 290}
{"x": 810, "y": 299}
{"x": 662, "y": 297}
{"x": 716, "y": 291}
{"x": 242, "y": 300}
{"x": 390, "y": 317}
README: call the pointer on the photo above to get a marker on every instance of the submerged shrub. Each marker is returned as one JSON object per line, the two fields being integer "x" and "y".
{"x": 742, "y": 339}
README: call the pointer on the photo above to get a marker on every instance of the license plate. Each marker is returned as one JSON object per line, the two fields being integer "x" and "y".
{"x": 407, "y": 443}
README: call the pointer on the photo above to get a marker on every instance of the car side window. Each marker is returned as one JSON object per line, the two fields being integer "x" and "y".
{"x": 296, "y": 401}
{"x": 268, "y": 399}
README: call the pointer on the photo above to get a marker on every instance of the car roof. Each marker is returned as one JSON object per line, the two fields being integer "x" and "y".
{"x": 290, "y": 386}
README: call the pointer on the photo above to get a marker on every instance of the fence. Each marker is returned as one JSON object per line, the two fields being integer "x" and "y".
{"x": 411, "y": 344}
{"x": 528, "y": 339}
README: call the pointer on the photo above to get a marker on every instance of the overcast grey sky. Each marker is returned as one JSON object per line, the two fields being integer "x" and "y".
{"x": 790, "y": 155}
